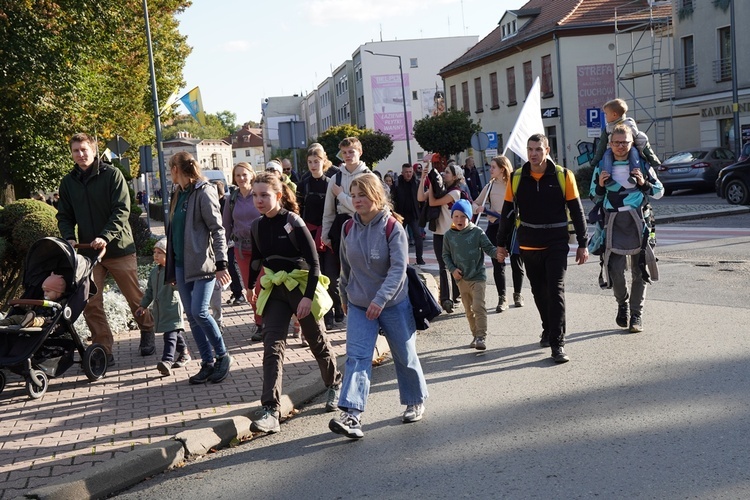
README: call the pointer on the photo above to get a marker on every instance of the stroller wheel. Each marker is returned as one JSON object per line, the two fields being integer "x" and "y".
{"x": 36, "y": 384}
{"x": 94, "y": 362}
{"x": 2, "y": 381}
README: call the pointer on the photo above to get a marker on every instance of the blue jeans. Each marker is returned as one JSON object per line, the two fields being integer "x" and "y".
{"x": 195, "y": 297}
{"x": 397, "y": 322}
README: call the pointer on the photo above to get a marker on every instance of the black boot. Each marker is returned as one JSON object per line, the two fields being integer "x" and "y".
{"x": 148, "y": 343}
{"x": 623, "y": 310}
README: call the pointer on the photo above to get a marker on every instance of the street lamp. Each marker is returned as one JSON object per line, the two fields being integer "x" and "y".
{"x": 403, "y": 96}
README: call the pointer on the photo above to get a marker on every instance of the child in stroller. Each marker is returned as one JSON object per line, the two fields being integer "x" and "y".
{"x": 42, "y": 343}
{"x": 53, "y": 288}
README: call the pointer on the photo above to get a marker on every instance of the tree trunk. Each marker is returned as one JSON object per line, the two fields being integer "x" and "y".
{"x": 7, "y": 195}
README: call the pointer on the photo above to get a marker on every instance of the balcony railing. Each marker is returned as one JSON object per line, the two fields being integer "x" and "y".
{"x": 722, "y": 70}
{"x": 686, "y": 76}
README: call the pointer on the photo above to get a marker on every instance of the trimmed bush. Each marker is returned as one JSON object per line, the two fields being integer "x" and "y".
{"x": 17, "y": 210}
{"x": 148, "y": 247}
{"x": 141, "y": 234}
{"x": 21, "y": 224}
{"x": 32, "y": 227}
{"x": 156, "y": 210}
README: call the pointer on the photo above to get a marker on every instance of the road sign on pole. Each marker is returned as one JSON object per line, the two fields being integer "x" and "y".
{"x": 118, "y": 145}
{"x": 480, "y": 141}
{"x": 593, "y": 118}
{"x": 493, "y": 140}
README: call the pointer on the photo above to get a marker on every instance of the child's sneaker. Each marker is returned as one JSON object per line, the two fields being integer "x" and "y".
{"x": 183, "y": 360}
{"x": 165, "y": 368}
{"x": 480, "y": 344}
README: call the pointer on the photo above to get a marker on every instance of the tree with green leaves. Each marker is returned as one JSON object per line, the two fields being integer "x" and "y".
{"x": 215, "y": 128}
{"x": 70, "y": 66}
{"x": 447, "y": 134}
{"x": 228, "y": 121}
{"x": 376, "y": 145}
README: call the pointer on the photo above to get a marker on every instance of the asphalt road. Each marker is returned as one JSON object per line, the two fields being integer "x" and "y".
{"x": 662, "y": 414}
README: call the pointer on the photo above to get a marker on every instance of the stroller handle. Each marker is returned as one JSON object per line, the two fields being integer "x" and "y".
{"x": 35, "y": 303}
{"x": 86, "y": 246}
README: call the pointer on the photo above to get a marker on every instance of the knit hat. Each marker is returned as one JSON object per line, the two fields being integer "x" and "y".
{"x": 463, "y": 206}
{"x": 161, "y": 245}
{"x": 55, "y": 282}
{"x": 456, "y": 170}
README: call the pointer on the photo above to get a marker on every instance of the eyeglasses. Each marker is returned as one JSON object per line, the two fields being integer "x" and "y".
{"x": 620, "y": 144}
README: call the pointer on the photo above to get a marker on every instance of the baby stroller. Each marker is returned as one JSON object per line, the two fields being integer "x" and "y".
{"x": 41, "y": 353}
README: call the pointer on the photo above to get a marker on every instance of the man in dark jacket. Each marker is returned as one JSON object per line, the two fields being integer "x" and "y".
{"x": 404, "y": 196}
{"x": 471, "y": 176}
{"x": 95, "y": 201}
{"x": 543, "y": 195}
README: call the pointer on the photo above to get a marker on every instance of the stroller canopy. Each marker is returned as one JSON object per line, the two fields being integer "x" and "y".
{"x": 49, "y": 255}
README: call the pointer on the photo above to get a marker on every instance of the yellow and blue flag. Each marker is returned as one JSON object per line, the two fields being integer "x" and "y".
{"x": 194, "y": 104}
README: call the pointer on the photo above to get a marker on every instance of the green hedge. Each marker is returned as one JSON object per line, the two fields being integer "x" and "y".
{"x": 21, "y": 224}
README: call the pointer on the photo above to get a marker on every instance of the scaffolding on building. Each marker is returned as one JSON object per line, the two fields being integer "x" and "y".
{"x": 645, "y": 73}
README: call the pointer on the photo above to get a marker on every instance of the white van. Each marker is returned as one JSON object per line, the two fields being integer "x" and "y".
{"x": 215, "y": 176}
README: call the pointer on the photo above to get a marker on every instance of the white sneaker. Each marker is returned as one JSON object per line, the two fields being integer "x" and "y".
{"x": 413, "y": 413}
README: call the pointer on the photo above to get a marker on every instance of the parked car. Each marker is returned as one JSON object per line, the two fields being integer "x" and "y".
{"x": 696, "y": 168}
{"x": 745, "y": 153}
{"x": 733, "y": 183}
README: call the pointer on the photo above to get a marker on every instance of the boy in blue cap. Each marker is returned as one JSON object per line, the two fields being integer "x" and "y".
{"x": 463, "y": 248}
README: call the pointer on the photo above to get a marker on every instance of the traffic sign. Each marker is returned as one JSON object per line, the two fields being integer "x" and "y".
{"x": 593, "y": 118}
{"x": 480, "y": 141}
{"x": 493, "y": 140}
{"x": 118, "y": 145}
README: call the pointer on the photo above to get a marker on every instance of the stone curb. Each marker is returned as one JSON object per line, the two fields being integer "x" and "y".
{"x": 729, "y": 210}
{"x": 130, "y": 468}
{"x": 114, "y": 475}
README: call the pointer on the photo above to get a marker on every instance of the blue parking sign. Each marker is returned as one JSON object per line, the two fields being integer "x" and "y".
{"x": 493, "y": 140}
{"x": 593, "y": 118}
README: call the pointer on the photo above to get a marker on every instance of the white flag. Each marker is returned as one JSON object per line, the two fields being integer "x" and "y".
{"x": 529, "y": 122}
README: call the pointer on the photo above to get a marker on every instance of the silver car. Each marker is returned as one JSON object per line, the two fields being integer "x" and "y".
{"x": 694, "y": 169}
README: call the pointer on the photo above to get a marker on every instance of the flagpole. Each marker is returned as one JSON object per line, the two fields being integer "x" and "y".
{"x": 486, "y": 195}
{"x": 157, "y": 119}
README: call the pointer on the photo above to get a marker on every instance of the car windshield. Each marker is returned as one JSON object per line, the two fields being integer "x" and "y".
{"x": 686, "y": 157}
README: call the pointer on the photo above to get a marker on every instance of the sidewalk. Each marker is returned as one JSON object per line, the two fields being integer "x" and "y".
{"x": 87, "y": 439}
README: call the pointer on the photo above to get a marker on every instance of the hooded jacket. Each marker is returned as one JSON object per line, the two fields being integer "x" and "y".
{"x": 341, "y": 204}
{"x": 97, "y": 205}
{"x": 373, "y": 269}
